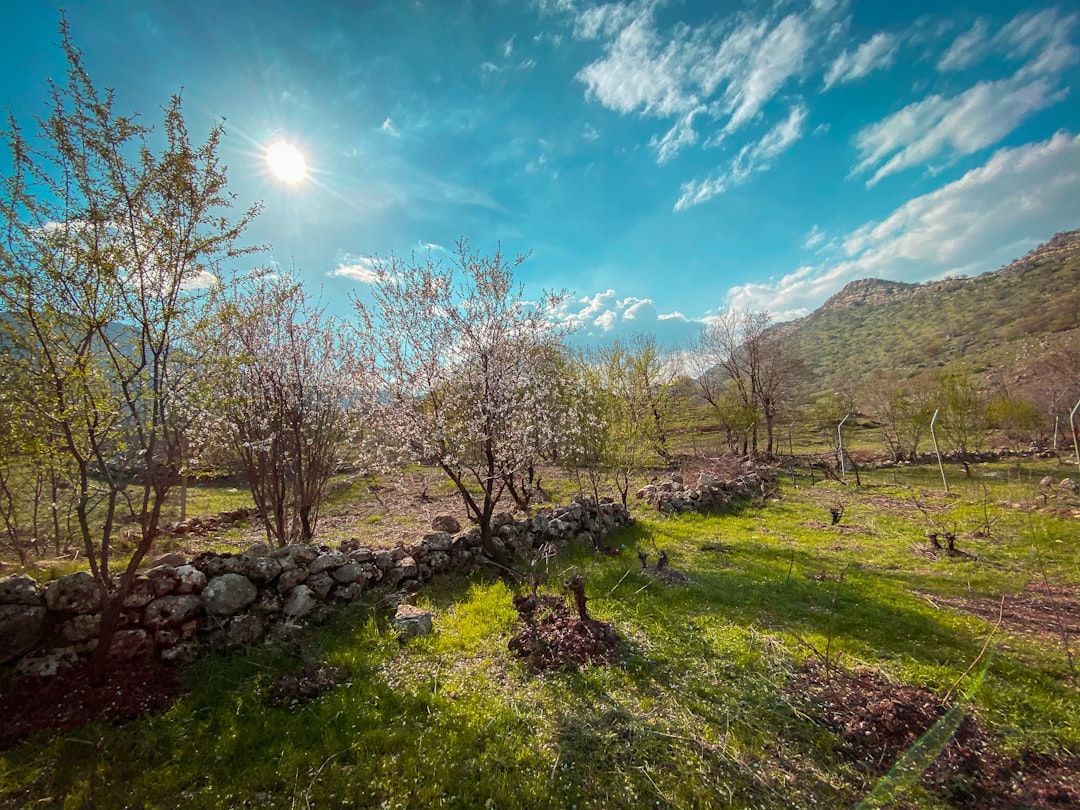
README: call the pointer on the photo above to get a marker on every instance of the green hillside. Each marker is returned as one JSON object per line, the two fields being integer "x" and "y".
{"x": 1003, "y": 323}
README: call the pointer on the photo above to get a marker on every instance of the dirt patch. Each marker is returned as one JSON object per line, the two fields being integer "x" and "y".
{"x": 129, "y": 689}
{"x": 1041, "y": 611}
{"x": 553, "y": 638}
{"x": 293, "y": 690}
{"x": 877, "y": 722}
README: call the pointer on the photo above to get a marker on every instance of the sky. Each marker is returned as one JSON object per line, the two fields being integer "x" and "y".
{"x": 662, "y": 161}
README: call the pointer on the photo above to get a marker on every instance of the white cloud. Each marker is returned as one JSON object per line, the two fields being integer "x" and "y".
{"x": 677, "y": 138}
{"x": 601, "y": 318}
{"x": 752, "y": 158}
{"x": 967, "y": 48}
{"x": 960, "y": 125}
{"x": 389, "y": 129}
{"x": 814, "y": 238}
{"x": 876, "y": 53}
{"x": 508, "y": 47}
{"x": 781, "y": 56}
{"x": 991, "y": 215}
{"x": 1042, "y": 39}
{"x": 358, "y": 268}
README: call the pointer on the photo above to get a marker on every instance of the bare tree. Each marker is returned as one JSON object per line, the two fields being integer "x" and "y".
{"x": 745, "y": 368}
{"x": 449, "y": 356}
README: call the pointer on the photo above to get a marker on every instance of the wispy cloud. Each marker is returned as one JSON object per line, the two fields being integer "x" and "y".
{"x": 389, "y": 129}
{"x": 991, "y": 215}
{"x": 876, "y": 53}
{"x": 752, "y": 158}
{"x": 966, "y": 49}
{"x": 947, "y": 127}
{"x": 814, "y": 238}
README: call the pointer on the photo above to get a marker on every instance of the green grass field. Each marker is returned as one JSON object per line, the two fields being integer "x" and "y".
{"x": 703, "y": 708}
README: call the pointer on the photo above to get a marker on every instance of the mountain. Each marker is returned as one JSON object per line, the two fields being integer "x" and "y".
{"x": 1000, "y": 325}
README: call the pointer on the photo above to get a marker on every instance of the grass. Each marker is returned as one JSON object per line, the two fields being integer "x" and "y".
{"x": 698, "y": 714}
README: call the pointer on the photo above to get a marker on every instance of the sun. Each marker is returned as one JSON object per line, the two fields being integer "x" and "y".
{"x": 286, "y": 162}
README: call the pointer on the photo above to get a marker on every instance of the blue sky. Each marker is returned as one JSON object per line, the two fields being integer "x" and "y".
{"x": 662, "y": 160}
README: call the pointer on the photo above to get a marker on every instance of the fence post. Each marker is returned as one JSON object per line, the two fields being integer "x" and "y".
{"x": 840, "y": 442}
{"x": 937, "y": 450}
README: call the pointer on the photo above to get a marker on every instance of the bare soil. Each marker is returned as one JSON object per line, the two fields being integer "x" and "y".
{"x": 1049, "y": 612}
{"x": 553, "y": 638}
{"x": 127, "y": 690}
{"x": 877, "y": 722}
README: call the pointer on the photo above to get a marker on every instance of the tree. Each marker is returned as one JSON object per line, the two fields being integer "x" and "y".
{"x": 745, "y": 367}
{"x": 449, "y": 355}
{"x": 287, "y": 376}
{"x": 964, "y": 423}
{"x": 106, "y": 247}
{"x": 904, "y": 409}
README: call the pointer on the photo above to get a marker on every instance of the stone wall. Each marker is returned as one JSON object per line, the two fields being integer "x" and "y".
{"x": 179, "y": 606}
{"x": 713, "y": 488}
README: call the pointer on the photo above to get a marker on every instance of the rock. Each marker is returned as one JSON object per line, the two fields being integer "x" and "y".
{"x": 438, "y": 541}
{"x": 47, "y": 664}
{"x": 225, "y": 564}
{"x": 410, "y": 621}
{"x": 242, "y": 631}
{"x": 362, "y": 555}
{"x": 408, "y": 567}
{"x": 190, "y": 579}
{"x": 181, "y": 654}
{"x": 171, "y": 610}
{"x": 81, "y": 628}
{"x": 140, "y": 594}
{"x": 320, "y": 584}
{"x": 384, "y": 560}
{"x": 324, "y": 562}
{"x": 348, "y": 573}
{"x": 162, "y": 579}
{"x": 302, "y": 554}
{"x": 20, "y": 590}
{"x": 20, "y": 629}
{"x": 255, "y": 551}
{"x": 172, "y": 559}
{"x": 127, "y": 644}
{"x": 266, "y": 603}
{"x": 300, "y": 602}
{"x": 290, "y": 579}
{"x": 228, "y": 594}
{"x": 446, "y": 523}
{"x": 1069, "y": 484}
{"x": 350, "y": 592}
{"x": 1046, "y": 482}
{"x": 75, "y": 593}
{"x": 263, "y": 569}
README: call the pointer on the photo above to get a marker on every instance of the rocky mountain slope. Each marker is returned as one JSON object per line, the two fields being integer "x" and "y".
{"x": 1001, "y": 324}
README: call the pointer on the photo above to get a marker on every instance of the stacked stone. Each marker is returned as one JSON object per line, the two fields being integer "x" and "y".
{"x": 674, "y": 495}
{"x": 232, "y": 600}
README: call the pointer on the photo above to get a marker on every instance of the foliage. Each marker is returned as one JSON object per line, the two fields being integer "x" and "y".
{"x": 105, "y": 248}
{"x": 287, "y": 397}
{"x": 454, "y": 363}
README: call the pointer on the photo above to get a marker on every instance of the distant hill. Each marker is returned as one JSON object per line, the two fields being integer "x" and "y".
{"x": 999, "y": 323}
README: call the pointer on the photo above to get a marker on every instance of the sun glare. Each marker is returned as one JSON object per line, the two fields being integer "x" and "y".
{"x": 286, "y": 162}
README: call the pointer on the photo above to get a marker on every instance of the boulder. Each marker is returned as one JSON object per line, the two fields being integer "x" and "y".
{"x": 20, "y": 629}
{"x": 47, "y": 664}
{"x": 300, "y": 602}
{"x": 320, "y": 584}
{"x": 181, "y": 654}
{"x": 75, "y": 593}
{"x": 324, "y": 562}
{"x": 290, "y": 579}
{"x": 228, "y": 594}
{"x": 446, "y": 523}
{"x": 263, "y": 569}
{"x": 81, "y": 627}
{"x": 410, "y": 621}
{"x": 438, "y": 541}
{"x": 127, "y": 644}
{"x": 140, "y": 594}
{"x": 171, "y": 610}
{"x": 348, "y": 573}
{"x": 20, "y": 590}
{"x": 190, "y": 579}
